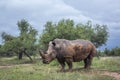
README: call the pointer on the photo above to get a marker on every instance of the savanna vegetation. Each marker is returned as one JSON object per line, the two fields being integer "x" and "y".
{"x": 28, "y": 42}
{"x": 25, "y": 70}
{"x": 110, "y": 52}
{"x": 13, "y": 66}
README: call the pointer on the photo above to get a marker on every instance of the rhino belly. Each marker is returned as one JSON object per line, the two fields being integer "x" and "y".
{"x": 77, "y": 58}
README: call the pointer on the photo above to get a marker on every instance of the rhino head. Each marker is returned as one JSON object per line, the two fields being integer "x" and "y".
{"x": 49, "y": 55}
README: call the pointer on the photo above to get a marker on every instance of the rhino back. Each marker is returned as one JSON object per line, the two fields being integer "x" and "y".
{"x": 80, "y": 41}
{"x": 69, "y": 47}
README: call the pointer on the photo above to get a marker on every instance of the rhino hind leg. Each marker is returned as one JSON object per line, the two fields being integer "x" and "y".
{"x": 88, "y": 62}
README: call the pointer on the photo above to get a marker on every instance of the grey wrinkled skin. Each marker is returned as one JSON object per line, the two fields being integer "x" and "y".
{"x": 69, "y": 51}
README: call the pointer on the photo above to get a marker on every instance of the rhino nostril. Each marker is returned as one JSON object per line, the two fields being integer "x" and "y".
{"x": 45, "y": 62}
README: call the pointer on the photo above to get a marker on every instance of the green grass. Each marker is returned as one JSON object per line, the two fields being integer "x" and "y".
{"x": 107, "y": 63}
{"x": 39, "y": 71}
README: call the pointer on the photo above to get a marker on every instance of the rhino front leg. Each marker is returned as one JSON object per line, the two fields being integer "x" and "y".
{"x": 63, "y": 66}
{"x": 69, "y": 62}
{"x": 62, "y": 63}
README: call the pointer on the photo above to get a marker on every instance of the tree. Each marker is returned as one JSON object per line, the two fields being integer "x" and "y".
{"x": 27, "y": 38}
{"x": 49, "y": 34}
{"x": 25, "y": 43}
{"x": 68, "y": 30}
{"x": 100, "y": 35}
{"x": 65, "y": 29}
{"x": 112, "y": 52}
{"x": 84, "y": 31}
{"x": 115, "y": 51}
{"x": 7, "y": 37}
{"x": 9, "y": 44}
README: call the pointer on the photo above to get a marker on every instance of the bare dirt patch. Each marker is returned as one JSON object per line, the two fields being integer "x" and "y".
{"x": 9, "y": 66}
{"x": 5, "y": 67}
{"x": 112, "y": 74}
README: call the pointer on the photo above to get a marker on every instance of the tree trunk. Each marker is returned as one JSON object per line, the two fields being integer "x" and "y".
{"x": 20, "y": 55}
{"x": 27, "y": 55}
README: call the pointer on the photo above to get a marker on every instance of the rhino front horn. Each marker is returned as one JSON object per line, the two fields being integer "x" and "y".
{"x": 41, "y": 52}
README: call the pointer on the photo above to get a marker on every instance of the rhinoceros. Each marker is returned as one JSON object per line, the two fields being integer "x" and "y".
{"x": 69, "y": 51}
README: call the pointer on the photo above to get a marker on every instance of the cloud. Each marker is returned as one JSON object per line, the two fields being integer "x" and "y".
{"x": 38, "y": 12}
{"x": 102, "y": 12}
{"x": 46, "y": 7}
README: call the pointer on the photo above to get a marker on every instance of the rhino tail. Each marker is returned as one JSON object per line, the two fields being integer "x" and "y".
{"x": 94, "y": 52}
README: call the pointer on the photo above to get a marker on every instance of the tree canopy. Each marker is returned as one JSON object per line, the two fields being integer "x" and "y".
{"x": 67, "y": 29}
{"x": 26, "y": 40}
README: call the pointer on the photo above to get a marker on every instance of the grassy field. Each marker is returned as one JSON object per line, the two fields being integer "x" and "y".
{"x": 14, "y": 69}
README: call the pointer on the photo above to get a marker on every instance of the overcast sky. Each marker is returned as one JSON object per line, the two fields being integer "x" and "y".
{"x": 38, "y": 12}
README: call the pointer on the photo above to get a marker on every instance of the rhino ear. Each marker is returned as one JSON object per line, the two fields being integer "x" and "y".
{"x": 54, "y": 44}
